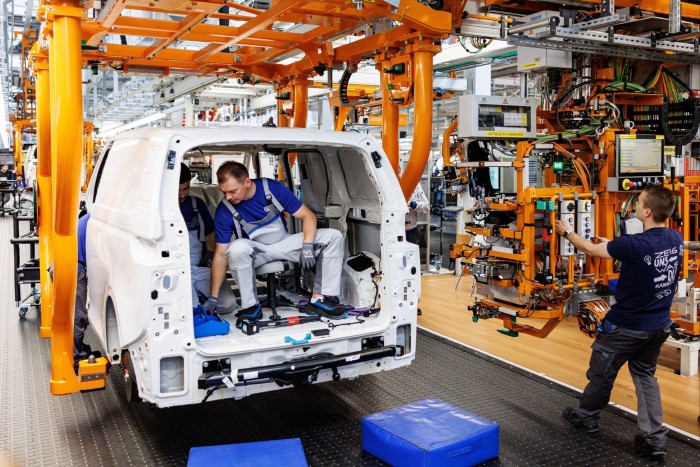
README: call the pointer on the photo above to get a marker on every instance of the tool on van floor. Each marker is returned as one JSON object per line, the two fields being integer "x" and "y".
{"x": 251, "y": 326}
{"x": 361, "y": 311}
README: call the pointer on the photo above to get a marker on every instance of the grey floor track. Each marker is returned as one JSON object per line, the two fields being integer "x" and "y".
{"x": 102, "y": 429}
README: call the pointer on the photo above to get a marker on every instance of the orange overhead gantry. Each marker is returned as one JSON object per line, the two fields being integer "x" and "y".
{"x": 211, "y": 37}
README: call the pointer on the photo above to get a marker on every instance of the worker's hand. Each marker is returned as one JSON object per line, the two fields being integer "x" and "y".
{"x": 307, "y": 257}
{"x": 562, "y": 226}
{"x": 206, "y": 259}
{"x": 413, "y": 205}
{"x": 602, "y": 239}
{"x": 210, "y": 305}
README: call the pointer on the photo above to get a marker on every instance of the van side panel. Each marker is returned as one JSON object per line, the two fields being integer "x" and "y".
{"x": 129, "y": 190}
{"x": 138, "y": 242}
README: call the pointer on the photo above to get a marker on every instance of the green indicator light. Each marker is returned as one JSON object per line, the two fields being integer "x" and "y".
{"x": 558, "y": 165}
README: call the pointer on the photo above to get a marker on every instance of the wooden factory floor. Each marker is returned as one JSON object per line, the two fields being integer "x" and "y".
{"x": 563, "y": 356}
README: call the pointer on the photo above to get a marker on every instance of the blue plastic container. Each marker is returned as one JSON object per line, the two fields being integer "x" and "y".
{"x": 281, "y": 452}
{"x": 430, "y": 432}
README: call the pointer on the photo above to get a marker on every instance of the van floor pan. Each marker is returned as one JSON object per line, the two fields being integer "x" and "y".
{"x": 274, "y": 337}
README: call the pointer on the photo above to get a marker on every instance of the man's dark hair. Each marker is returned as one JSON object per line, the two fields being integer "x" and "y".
{"x": 232, "y": 169}
{"x": 185, "y": 174}
{"x": 661, "y": 201}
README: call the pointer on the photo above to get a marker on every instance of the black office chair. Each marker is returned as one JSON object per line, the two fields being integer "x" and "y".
{"x": 270, "y": 271}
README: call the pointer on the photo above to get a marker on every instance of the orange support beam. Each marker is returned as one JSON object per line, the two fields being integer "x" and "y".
{"x": 66, "y": 120}
{"x": 44, "y": 187}
{"x": 422, "y": 116}
{"x": 390, "y": 121}
{"x": 446, "y": 154}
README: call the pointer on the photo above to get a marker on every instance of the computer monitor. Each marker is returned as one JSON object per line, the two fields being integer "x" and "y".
{"x": 639, "y": 155}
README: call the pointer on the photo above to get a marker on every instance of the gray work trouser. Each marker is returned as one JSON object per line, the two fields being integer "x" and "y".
{"x": 245, "y": 255}
{"x": 81, "y": 351}
{"x": 640, "y": 349}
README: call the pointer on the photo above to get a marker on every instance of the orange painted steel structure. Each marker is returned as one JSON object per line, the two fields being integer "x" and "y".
{"x": 251, "y": 46}
{"x": 254, "y": 44}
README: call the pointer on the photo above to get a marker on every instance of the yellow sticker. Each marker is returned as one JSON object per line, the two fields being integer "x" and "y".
{"x": 506, "y": 134}
{"x": 530, "y": 65}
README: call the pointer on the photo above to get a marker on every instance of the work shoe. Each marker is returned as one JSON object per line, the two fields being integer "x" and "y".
{"x": 252, "y": 313}
{"x": 642, "y": 446}
{"x": 572, "y": 417}
{"x": 329, "y": 307}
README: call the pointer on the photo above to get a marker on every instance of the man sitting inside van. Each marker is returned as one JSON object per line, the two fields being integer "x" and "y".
{"x": 252, "y": 209}
{"x": 200, "y": 228}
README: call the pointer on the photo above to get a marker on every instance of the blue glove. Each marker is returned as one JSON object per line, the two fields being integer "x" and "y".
{"x": 210, "y": 305}
{"x": 307, "y": 258}
{"x": 413, "y": 205}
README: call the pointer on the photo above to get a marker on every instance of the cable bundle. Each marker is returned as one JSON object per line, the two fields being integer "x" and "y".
{"x": 590, "y": 315}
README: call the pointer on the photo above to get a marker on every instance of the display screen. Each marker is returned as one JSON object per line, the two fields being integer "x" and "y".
{"x": 640, "y": 155}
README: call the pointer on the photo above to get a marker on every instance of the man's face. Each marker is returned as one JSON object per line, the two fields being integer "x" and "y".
{"x": 234, "y": 190}
{"x": 183, "y": 192}
{"x": 5, "y": 168}
{"x": 641, "y": 212}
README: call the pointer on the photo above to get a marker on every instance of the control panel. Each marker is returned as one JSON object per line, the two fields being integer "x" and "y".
{"x": 633, "y": 183}
{"x": 584, "y": 219}
{"x": 567, "y": 212}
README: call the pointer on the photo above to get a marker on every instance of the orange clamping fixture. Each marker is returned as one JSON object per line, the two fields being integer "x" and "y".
{"x": 93, "y": 375}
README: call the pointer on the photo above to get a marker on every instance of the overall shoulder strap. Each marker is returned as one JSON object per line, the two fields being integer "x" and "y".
{"x": 271, "y": 199}
{"x": 195, "y": 212}
{"x": 238, "y": 221}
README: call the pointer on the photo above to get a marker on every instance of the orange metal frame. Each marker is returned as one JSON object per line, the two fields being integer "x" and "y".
{"x": 252, "y": 44}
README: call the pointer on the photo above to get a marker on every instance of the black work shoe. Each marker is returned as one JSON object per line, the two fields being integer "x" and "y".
{"x": 572, "y": 417}
{"x": 329, "y": 307}
{"x": 252, "y": 312}
{"x": 643, "y": 447}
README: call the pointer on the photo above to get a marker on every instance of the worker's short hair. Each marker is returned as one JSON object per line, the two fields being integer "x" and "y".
{"x": 185, "y": 174}
{"x": 661, "y": 201}
{"x": 232, "y": 169}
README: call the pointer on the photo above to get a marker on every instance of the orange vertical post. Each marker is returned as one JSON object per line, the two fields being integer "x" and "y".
{"x": 301, "y": 102}
{"x": 17, "y": 152}
{"x": 66, "y": 120}
{"x": 44, "y": 189}
{"x": 446, "y": 143}
{"x": 422, "y": 116}
{"x": 390, "y": 120}
{"x": 300, "y": 98}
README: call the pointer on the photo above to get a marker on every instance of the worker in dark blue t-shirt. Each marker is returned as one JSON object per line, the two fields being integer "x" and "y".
{"x": 639, "y": 322}
{"x": 250, "y": 232}
{"x": 200, "y": 229}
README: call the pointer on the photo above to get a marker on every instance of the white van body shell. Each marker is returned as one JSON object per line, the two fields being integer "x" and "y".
{"x": 139, "y": 271}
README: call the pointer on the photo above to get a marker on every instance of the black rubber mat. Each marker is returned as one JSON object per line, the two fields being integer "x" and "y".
{"x": 102, "y": 429}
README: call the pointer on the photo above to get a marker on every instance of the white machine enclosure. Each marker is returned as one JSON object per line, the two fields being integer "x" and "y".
{"x": 139, "y": 271}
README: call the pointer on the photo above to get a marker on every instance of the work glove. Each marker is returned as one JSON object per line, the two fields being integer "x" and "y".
{"x": 413, "y": 205}
{"x": 674, "y": 331}
{"x": 206, "y": 259}
{"x": 307, "y": 257}
{"x": 210, "y": 305}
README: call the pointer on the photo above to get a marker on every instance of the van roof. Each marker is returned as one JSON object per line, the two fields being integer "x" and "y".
{"x": 212, "y": 135}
